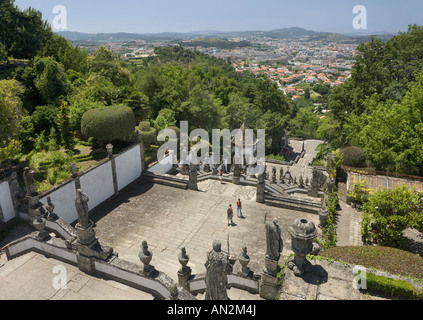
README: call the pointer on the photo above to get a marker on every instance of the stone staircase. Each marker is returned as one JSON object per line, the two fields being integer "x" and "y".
{"x": 166, "y": 179}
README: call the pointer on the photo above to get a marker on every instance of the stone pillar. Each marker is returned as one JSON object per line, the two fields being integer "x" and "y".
{"x": 32, "y": 197}
{"x": 109, "y": 148}
{"x": 206, "y": 166}
{"x": 236, "y": 179}
{"x": 184, "y": 273}
{"x": 87, "y": 244}
{"x": 261, "y": 186}
{"x": 142, "y": 152}
{"x": 193, "y": 179}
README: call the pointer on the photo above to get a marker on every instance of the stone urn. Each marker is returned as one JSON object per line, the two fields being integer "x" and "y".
{"x": 302, "y": 232}
{"x": 145, "y": 256}
{"x": 39, "y": 224}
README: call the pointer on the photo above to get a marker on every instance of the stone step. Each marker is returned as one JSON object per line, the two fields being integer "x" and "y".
{"x": 171, "y": 182}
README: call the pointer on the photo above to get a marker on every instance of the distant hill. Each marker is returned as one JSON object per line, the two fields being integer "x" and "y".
{"x": 286, "y": 33}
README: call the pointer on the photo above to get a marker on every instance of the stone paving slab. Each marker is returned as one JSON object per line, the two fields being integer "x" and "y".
{"x": 170, "y": 219}
{"x": 327, "y": 281}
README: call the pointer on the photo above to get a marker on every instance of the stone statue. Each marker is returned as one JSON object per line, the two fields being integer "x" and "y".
{"x": 81, "y": 204}
{"x": 50, "y": 209}
{"x": 29, "y": 182}
{"x": 273, "y": 240}
{"x": 218, "y": 267}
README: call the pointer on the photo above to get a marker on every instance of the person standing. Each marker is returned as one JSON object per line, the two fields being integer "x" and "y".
{"x": 230, "y": 213}
{"x": 239, "y": 209}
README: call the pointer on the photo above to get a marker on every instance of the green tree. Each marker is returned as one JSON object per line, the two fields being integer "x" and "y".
{"x": 51, "y": 81}
{"x": 65, "y": 130}
{"x": 10, "y": 113}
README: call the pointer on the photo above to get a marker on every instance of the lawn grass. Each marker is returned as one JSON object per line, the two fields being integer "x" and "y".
{"x": 390, "y": 260}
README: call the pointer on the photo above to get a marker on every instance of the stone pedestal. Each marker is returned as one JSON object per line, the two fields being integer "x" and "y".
{"x": 269, "y": 283}
{"x": 260, "y": 192}
{"x": 323, "y": 217}
{"x": 193, "y": 181}
{"x": 183, "y": 279}
{"x": 88, "y": 245}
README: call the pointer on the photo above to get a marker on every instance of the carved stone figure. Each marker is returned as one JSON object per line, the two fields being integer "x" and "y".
{"x": 81, "y": 204}
{"x": 218, "y": 267}
{"x": 29, "y": 182}
{"x": 244, "y": 260}
{"x": 273, "y": 240}
{"x": 50, "y": 209}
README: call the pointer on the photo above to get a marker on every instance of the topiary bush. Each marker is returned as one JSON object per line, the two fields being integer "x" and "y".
{"x": 148, "y": 133}
{"x": 354, "y": 157}
{"x": 106, "y": 124}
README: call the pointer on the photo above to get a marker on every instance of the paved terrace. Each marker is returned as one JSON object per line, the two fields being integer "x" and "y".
{"x": 170, "y": 219}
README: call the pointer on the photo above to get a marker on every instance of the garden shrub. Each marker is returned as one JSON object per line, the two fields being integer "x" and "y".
{"x": 106, "y": 124}
{"x": 148, "y": 133}
{"x": 388, "y": 213}
{"x": 392, "y": 287}
{"x": 354, "y": 157}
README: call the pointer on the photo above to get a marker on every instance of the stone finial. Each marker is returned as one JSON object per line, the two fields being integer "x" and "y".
{"x": 183, "y": 258}
{"x": 74, "y": 170}
{"x": 39, "y": 224}
{"x": 50, "y": 209}
{"x": 146, "y": 256}
{"x": 109, "y": 149}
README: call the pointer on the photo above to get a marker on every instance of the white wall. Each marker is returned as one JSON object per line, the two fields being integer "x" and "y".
{"x": 6, "y": 202}
{"x": 98, "y": 184}
{"x": 64, "y": 201}
{"x": 163, "y": 166}
{"x": 128, "y": 167}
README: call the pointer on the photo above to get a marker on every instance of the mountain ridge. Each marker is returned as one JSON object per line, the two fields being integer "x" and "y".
{"x": 282, "y": 33}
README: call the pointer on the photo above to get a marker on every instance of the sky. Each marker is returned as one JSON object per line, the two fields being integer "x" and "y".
{"x": 156, "y": 16}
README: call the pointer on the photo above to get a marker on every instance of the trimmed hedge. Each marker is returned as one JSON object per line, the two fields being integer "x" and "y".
{"x": 353, "y": 157}
{"x": 148, "y": 133}
{"x": 392, "y": 287}
{"x": 108, "y": 123}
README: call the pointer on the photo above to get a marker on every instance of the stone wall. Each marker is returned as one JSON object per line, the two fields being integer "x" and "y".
{"x": 100, "y": 182}
{"x": 9, "y": 190}
{"x": 381, "y": 182}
